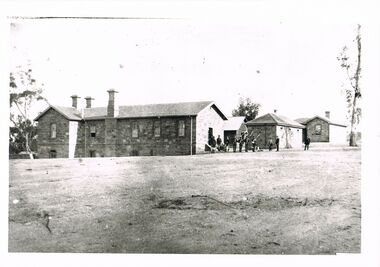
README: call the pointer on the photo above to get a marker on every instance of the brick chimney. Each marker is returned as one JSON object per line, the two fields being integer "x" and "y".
{"x": 88, "y": 101}
{"x": 327, "y": 114}
{"x": 111, "y": 103}
{"x": 75, "y": 101}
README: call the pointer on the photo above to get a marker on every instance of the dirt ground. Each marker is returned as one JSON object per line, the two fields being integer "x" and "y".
{"x": 287, "y": 202}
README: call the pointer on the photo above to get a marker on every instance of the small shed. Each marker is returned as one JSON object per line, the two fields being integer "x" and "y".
{"x": 322, "y": 129}
{"x": 234, "y": 126}
{"x": 271, "y": 125}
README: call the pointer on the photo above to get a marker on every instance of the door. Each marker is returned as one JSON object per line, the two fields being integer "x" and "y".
{"x": 210, "y": 133}
{"x": 52, "y": 154}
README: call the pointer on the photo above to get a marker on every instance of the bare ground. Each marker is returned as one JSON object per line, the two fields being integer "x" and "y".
{"x": 291, "y": 202}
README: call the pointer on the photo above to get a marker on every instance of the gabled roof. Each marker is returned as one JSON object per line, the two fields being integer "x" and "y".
{"x": 307, "y": 120}
{"x": 233, "y": 123}
{"x": 274, "y": 119}
{"x": 302, "y": 120}
{"x": 69, "y": 113}
{"x": 155, "y": 110}
{"x": 139, "y": 111}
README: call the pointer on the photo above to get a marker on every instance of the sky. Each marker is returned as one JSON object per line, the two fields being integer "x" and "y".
{"x": 290, "y": 67}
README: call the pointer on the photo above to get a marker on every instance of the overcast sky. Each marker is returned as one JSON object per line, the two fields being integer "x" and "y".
{"x": 288, "y": 67}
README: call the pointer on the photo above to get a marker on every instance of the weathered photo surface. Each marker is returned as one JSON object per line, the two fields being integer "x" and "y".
{"x": 184, "y": 136}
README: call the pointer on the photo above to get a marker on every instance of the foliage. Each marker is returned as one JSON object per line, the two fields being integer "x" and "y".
{"x": 352, "y": 91}
{"x": 246, "y": 108}
{"x": 23, "y": 93}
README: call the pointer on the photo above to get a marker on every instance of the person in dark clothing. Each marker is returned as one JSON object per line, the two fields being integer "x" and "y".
{"x": 241, "y": 141}
{"x": 270, "y": 145}
{"x": 212, "y": 141}
{"x": 307, "y": 143}
{"x": 218, "y": 142}
{"x": 227, "y": 143}
{"x": 234, "y": 143}
{"x": 253, "y": 144}
{"x": 277, "y": 143}
{"x": 246, "y": 144}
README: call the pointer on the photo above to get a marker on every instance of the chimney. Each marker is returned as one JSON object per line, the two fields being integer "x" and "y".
{"x": 111, "y": 103}
{"x": 275, "y": 111}
{"x": 88, "y": 101}
{"x": 75, "y": 101}
{"x": 327, "y": 114}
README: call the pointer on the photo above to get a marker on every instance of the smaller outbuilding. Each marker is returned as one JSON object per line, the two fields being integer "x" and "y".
{"x": 267, "y": 127}
{"x": 322, "y": 129}
{"x": 234, "y": 126}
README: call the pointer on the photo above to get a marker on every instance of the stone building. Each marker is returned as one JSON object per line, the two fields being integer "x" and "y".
{"x": 114, "y": 131}
{"x": 270, "y": 125}
{"x": 322, "y": 129}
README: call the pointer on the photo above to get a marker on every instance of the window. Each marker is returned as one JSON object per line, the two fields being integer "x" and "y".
{"x": 157, "y": 128}
{"x": 318, "y": 129}
{"x": 135, "y": 130}
{"x": 53, "y": 130}
{"x": 93, "y": 131}
{"x": 181, "y": 128}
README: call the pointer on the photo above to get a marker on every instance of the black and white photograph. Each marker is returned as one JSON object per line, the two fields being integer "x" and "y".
{"x": 182, "y": 134}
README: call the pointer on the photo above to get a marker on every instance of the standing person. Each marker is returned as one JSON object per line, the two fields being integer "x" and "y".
{"x": 270, "y": 144}
{"x": 241, "y": 141}
{"x": 227, "y": 143}
{"x": 246, "y": 143}
{"x": 212, "y": 143}
{"x": 253, "y": 144}
{"x": 307, "y": 143}
{"x": 234, "y": 143}
{"x": 218, "y": 142}
{"x": 277, "y": 143}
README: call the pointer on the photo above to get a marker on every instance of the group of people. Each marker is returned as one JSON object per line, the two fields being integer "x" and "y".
{"x": 242, "y": 141}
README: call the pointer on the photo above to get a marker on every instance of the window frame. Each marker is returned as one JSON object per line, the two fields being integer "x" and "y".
{"x": 157, "y": 125}
{"x": 93, "y": 132}
{"x": 135, "y": 129}
{"x": 180, "y": 129}
{"x": 53, "y": 131}
{"x": 318, "y": 131}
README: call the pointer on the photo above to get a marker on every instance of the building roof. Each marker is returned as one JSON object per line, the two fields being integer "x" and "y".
{"x": 275, "y": 119}
{"x": 307, "y": 120}
{"x": 69, "y": 113}
{"x": 140, "y": 111}
{"x": 301, "y": 120}
{"x": 233, "y": 123}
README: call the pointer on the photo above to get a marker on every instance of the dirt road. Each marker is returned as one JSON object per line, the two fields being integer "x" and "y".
{"x": 290, "y": 202}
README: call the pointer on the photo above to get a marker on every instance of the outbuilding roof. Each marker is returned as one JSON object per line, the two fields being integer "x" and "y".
{"x": 274, "y": 119}
{"x": 307, "y": 120}
{"x": 233, "y": 123}
{"x": 139, "y": 111}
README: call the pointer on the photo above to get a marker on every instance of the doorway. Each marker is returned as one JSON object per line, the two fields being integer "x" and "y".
{"x": 52, "y": 154}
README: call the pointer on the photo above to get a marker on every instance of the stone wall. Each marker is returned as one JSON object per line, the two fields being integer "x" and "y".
{"x": 262, "y": 133}
{"x": 86, "y": 143}
{"x": 314, "y": 137}
{"x": 208, "y": 118}
{"x": 45, "y": 143}
{"x": 167, "y": 143}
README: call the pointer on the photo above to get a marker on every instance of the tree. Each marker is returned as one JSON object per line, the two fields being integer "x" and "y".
{"x": 246, "y": 108}
{"x": 352, "y": 90}
{"x": 24, "y": 92}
